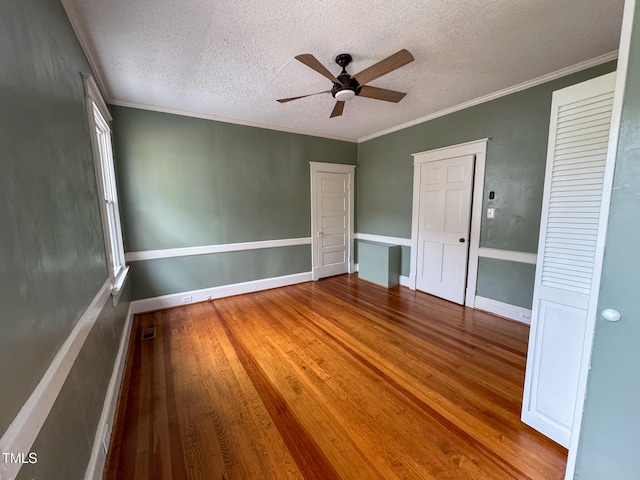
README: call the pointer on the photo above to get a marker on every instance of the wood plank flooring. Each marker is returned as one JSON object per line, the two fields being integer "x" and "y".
{"x": 336, "y": 379}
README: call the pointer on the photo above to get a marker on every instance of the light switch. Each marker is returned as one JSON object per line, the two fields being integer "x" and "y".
{"x": 491, "y": 212}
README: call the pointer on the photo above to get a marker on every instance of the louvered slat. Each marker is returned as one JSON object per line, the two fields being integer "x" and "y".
{"x": 583, "y": 131}
{"x": 580, "y": 151}
{"x": 585, "y": 102}
{"x": 572, "y": 137}
{"x": 569, "y": 156}
{"x": 584, "y": 123}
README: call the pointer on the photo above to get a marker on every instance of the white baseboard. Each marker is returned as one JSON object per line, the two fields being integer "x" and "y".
{"x": 96, "y": 465}
{"x": 513, "y": 312}
{"x": 177, "y": 299}
{"x": 24, "y": 429}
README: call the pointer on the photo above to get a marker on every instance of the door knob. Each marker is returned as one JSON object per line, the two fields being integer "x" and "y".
{"x": 461, "y": 240}
{"x": 319, "y": 234}
{"x": 611, "y": 314}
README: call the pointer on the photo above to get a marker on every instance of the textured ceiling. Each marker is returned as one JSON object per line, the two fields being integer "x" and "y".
{"x": 233, "y": 59}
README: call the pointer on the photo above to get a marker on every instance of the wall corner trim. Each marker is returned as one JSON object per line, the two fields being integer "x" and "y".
{"x": 25, "y": 428}
{"x": 513, "y": 312}
{"x": 98, "y": 458}
{"x": 175, "y": 299}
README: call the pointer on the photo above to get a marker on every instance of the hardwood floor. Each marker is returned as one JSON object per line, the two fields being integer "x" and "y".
{"x": 336, "y": 379}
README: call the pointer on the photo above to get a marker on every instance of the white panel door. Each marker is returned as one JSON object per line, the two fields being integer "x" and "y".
{"x": 576, "y": 156}
{"x": 443, "y": 227}
{"x": 332, "y": 223}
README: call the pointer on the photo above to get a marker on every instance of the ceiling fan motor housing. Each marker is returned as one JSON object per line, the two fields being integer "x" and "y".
{"x": 348, "y": 87}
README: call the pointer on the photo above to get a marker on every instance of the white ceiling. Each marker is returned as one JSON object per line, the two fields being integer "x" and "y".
{"x": 231, "y": 59}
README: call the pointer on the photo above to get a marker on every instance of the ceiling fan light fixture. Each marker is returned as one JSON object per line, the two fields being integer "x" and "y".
{"x": 344, "y": 95}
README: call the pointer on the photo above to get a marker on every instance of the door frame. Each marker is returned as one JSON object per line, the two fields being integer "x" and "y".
{"x": 478, "y": 148}
{"x": 350, "y": 170}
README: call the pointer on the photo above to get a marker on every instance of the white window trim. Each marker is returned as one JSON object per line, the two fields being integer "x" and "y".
{"x": 93, "y": 97}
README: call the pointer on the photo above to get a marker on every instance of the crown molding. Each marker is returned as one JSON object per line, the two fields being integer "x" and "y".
{"x": 87, "y": 47}
{"x": 246, "y": 123}
{"x": 500, "y": 93}
{"x": 578, "y": 67}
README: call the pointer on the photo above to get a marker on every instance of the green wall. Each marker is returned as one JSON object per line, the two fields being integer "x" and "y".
{"x": 51, "y": 244}
{"x": 66, "y": 439}
{"x": 517, "y": 126}
{"x": 610, "y": 436}
{"x": 189, "y": 182}
{"x": 165, "y": 276}
{"x": 505, "y": 281}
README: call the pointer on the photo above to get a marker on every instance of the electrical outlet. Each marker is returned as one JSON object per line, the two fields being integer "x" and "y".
{"x": 526, "y": 317}
{"x": 491, "y": 212}
{"x": 187, "y": 299}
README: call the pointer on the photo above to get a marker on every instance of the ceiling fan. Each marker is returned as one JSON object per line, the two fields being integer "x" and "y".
{"x": 345, "y": 86}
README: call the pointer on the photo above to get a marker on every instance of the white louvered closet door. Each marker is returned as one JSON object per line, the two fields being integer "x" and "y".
{"x": 576, "y": 156}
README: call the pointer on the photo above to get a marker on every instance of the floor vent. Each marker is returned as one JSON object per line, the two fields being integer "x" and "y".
{"x": 149, "y": 333}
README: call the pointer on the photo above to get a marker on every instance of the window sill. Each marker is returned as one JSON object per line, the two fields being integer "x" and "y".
{"x": 116, "y": 288}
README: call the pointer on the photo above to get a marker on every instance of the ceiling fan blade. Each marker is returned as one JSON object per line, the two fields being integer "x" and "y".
{"x": 337, "y": 110}
{"x": 313, "y": 63}
{"x": 285, "y": 100}
{"x": 381, "y": 94}
{"x": 389, "y": 64}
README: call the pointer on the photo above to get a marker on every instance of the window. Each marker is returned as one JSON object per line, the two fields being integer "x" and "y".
{"x": 106, "y": 181}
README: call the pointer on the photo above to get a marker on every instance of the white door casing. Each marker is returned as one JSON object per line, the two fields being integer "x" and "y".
{"x": 459, "y": 217}
{"x": 443, "y": 227}
{"x": 571, "y": 216}
{"x": 332, "y": 219}
{"x": 332, "y": 202}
